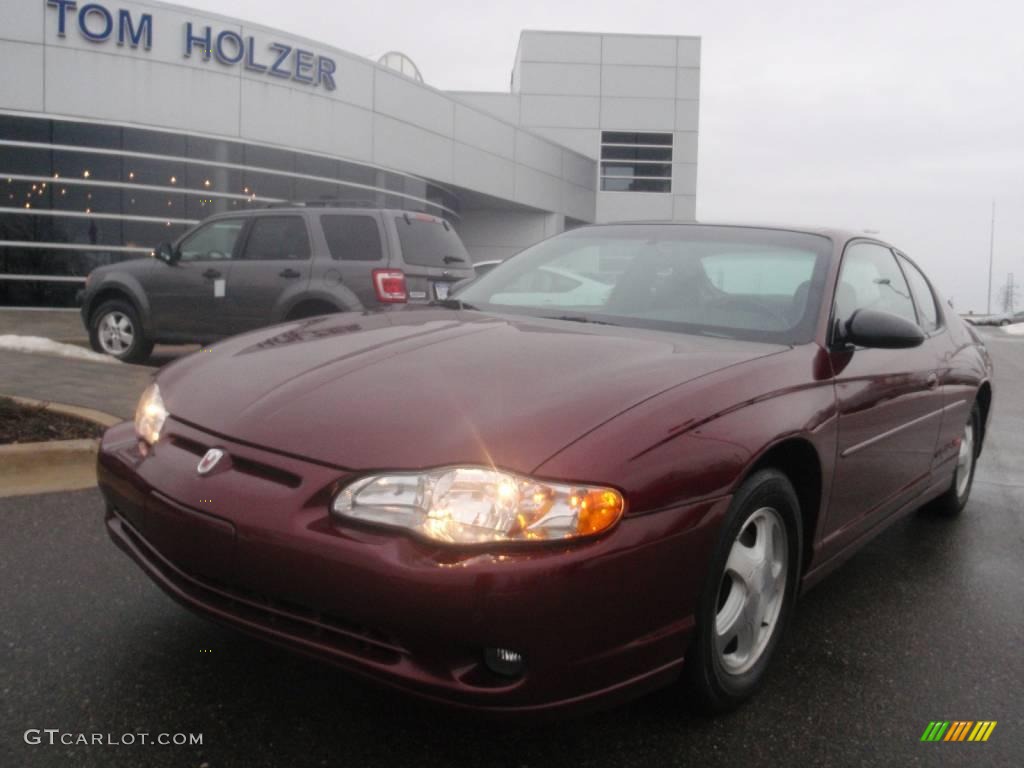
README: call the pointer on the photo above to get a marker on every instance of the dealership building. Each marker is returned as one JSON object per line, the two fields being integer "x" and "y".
{"x": 124, "y": 123}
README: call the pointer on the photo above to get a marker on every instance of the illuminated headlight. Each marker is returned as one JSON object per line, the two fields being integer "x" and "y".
{"x": 150, "y": 415}
{"x": 471, "y": 505}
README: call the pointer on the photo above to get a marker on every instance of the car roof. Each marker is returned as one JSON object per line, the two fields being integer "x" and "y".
{"x": 837, "y": 234}
{"x": 301, "y": 208}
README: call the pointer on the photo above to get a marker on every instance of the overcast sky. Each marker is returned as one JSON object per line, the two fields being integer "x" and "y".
{"x": 905, "y": 117}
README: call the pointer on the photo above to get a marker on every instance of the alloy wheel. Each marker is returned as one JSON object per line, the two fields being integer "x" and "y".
{"x": 116, "y": 333}
{"x": 965, "y": 459}
{"x": 752, "y": 591}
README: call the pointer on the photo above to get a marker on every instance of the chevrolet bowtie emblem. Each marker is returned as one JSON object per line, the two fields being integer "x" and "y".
{"x": 209, "y": 461}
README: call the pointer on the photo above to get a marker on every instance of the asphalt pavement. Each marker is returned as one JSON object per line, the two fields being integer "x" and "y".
{"x": 926, "y": 623}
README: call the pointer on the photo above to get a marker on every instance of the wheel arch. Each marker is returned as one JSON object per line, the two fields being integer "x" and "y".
{"x": 798, "y": 459}
{"x": 118, "y": 292}
{"x": 984, "y": 400}
{"x": 344, "y": 301}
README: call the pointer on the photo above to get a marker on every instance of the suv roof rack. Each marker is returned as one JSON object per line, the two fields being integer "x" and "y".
{"x": 327, "y": 202}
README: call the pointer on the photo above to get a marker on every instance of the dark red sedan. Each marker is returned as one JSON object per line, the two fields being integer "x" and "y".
{"x": 621, "y": 454}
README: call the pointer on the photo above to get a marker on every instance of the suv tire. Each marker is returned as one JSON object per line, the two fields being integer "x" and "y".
{"x": 115, "y": 330}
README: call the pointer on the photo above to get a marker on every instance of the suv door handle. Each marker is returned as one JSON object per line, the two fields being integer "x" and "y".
{"x": 289, "y": 273}
{"x": 933, "y": 381}
{"x": 211, "y": 273}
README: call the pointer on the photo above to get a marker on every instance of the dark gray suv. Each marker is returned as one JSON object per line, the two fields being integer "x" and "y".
{"x": 239, "y": 271}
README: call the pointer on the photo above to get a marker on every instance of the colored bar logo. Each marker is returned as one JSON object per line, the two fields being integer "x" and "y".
{"x": 958, "y": 730}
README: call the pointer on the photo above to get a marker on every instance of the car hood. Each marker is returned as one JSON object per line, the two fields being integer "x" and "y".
{"x": 411, "y": 389}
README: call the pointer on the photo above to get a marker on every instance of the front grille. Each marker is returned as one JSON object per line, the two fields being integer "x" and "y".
{"x": 274, "y": 613}
{"x": 240, "y": 464}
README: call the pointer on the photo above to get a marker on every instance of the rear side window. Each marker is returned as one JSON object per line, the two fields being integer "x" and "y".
{"x": 275, "y": 238}
{"x": 923, "y": 296}
{"x": 352, "y": 238}
{"x": 430, "y": 242}
{"x": 871, "y": 279}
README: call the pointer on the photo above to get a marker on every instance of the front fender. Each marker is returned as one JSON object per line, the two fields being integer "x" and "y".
{"x": 124, "y": 283}
{"x": 699, "y": 441}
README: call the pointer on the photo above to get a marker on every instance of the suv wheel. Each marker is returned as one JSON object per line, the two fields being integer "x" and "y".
{"x": 115, "y": 330}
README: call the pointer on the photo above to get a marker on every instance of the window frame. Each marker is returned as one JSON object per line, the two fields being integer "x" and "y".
{"x": 832, "y": 341}
{"x": 642, "y": 142}
{"x": 940, "y": 318}
{"x": 276, "y": 215}
{"x": 381, "y": 236}
{"x": 243, "y": 235}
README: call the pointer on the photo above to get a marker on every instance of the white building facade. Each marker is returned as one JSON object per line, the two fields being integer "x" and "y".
{"x": 124, "y": 123}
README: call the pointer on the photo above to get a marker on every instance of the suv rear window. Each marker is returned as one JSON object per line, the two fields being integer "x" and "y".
{"x": 430, "y": 242}
{"x": 352, "y": 238}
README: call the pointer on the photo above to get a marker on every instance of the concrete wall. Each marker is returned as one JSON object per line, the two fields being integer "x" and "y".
{"x": 498, "y": 234}
{"x": 571, "y": 86}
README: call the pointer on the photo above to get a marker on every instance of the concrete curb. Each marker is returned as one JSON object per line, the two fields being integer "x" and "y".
{"x": 89, "y": 414}
{"x": 59, "y": 465}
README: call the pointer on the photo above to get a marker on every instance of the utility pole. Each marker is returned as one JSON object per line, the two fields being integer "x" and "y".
{"x": 991, "y": 254}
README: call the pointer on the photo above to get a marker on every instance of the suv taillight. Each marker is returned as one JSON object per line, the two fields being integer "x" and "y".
{"x": 390, "y": 286}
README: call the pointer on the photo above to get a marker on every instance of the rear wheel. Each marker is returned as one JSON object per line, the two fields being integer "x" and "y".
{"x": 953, "y": 501}
{"x": 115, "y": 330}
{"x": 748, "y": 594}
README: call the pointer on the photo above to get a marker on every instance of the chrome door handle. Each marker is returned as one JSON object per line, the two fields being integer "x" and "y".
{"x": 289, "y": 273}
{"x": 211, "y": 273}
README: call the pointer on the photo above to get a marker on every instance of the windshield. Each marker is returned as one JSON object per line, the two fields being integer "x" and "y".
{"x": 430, "y": 242}
{"x": 735, "y": 282}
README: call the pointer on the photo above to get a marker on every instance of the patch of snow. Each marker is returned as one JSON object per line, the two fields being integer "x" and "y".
{"x": 40, "y": 345}
{"x": 1017, "y": 329}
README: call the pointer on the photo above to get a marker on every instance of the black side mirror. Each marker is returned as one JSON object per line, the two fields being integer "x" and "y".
{"x": 881, "y": 330}
{"x": 166, "y": 253}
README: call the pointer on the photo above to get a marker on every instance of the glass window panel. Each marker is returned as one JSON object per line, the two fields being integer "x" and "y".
{"x": 266, "y": 157}
{"x": 637, "y": 169}
{"x": 923, "y": 296}
{"x": 273, "y": 238}
{"x": 871, "y": 279}
{"x": 25, "y": 162}
{"x": 214, "y": 242}
{"x": 215, "y": 150}
{"x": 621, "y": 137}
{"x": 636, "y": 153}
{"x": 635, "y": 185}
{"x": 352, "y": 237}
{"x": 24, "y": 293}
{"x": 155, "y": 142}
{"x": 149, "y": 234}
{"x": 87, "y": 134}
{"x": 25, "y": 129}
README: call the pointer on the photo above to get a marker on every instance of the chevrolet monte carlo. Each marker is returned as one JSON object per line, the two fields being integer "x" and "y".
{"x": 528, "y": 509}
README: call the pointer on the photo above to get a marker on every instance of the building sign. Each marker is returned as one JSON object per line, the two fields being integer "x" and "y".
{"x": 99, "y": 24}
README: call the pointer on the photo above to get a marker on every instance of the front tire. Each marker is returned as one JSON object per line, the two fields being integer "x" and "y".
{"x": 953, "y": 501}
{"x": 115, "y": 330}
{"x": 749, "y": 592}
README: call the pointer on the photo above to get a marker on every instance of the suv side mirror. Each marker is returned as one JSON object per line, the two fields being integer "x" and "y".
{"x": 166, "y": 253}
{"x": 880, "y": 330}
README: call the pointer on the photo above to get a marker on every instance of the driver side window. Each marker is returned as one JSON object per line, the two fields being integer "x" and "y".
{"x": 212, "y": 242}
{"x": 871, "y": 279}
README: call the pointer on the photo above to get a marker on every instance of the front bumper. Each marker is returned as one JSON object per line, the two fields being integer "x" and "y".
{"x": 252, "y": 545}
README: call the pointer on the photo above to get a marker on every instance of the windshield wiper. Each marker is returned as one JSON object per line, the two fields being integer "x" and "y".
{"x": 577, "y": 319}
{"x": 453, "y": 260}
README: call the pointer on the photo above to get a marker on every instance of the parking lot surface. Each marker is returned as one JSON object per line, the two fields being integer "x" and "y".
{"x": 926, "y": 623}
